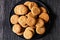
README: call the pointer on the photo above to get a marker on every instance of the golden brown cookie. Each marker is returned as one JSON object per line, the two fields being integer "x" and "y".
{"x": 35, "y": 11}
{"x": 30, "y": 15}
{"x": 22, "y": 21}
{"x": 16, "y": 28}
{"x": 27, "y": 34}
{"x": 20, "y": 9}
{"x": 44, "y": 16}
{"x": 40, "y": 30}
{"x": 27, "y": 3}
{"x": 31, "y": 21}
{"x": 43, "y": 9}
{"x": 30, "y": 4}
{"x": 40, "y": 23}
{"x": 30, "y": 29}
{"x": 13, "y": 19}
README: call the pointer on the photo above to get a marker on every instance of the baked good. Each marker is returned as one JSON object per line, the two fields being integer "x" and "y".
{"x": 22, "y": 21}
{"x": 30, "y": 4}
{"x": 44, "y": 16}
{"x": 27, "y": 3}
{"x": 28, "y": 33}
{"x": 35, "y": 11}
{"x": 31, "y": 21}
{"x": 16, "y": 28}
{"x": 30, "y": 29}
{"x": 40, "y": 23}
{"x": 20, "y": 9}
{"x": 43, "y": 9}
{"x": 40, "y": 30}
{"x": 13, "y": 19}
{"x": 30, "y": 15}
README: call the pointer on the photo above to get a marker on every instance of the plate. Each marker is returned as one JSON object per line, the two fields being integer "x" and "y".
{"x": 47, "y": 25}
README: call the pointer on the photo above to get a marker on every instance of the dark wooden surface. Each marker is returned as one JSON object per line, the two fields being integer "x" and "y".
{"x": 5, "y": 29}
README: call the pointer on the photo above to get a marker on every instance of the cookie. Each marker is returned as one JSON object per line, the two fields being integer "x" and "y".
{"x": 44, "y": 16}
{"x": 30, "y": 29}
{"x": 32, "y": 4}
{"x": 27, "y": 3}
{"x": 22, "y": 21}
{"x": 16, "y": 28}
{"x": 27, "y": 34}
{"x": 13, "y": 19}
{"x": 43, "y": 9}
{"x": 35, "y": 11}
{"x": 20, "y": 9}
{"x": 31, "y": 21}
{"x": 40, "y": 30}
{"x": 40, "y": 23}
{"x": 30, "y": 15}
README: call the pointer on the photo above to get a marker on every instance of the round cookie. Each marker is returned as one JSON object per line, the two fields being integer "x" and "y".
{"x": 27, "y": 3}
{"x": 20, "y": 9}
{"x": 27, "y": 34}
{"x": 13, "y": 19}
{"x": 44, "y": 16}
{"x": 22, "y": 21}
{"x": 31, "y": 21}
{"x": 35, "y": 11}
{"x": 30, "y": 29}
{"x": 40, "y": 30}
{"x": 40, "y": 23}
{"x": 32, "y": 4}
{"x": 30, "y": 15}
{"x": 16, "y": 28}
{"x": 43, "y": 9}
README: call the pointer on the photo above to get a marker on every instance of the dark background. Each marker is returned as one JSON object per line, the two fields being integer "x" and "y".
{"x": 5, "y": 31}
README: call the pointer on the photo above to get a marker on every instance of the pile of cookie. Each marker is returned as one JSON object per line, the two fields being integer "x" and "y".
{"x": 28, "y": 18}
